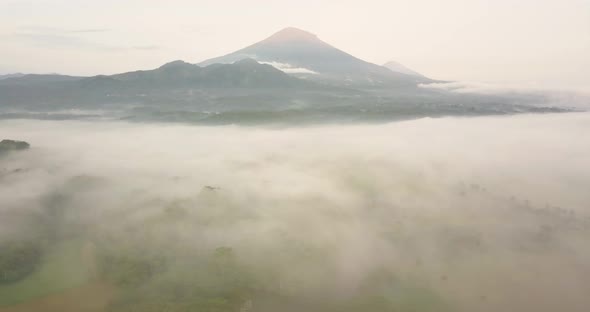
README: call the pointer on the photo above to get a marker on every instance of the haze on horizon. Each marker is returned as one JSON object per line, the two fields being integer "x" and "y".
{"x": 525, "y": 43}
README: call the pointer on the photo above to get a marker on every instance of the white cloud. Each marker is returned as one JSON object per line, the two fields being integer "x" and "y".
{"x": 290, "y": 69}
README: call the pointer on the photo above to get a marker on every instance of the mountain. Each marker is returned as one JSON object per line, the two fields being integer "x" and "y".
{"x": 399, "y": 68}
{"x": 178, "y": 83}
{"x": 16, "y": 75}
{"x": 246, "y": 73}
{"x": 303, "y": 54}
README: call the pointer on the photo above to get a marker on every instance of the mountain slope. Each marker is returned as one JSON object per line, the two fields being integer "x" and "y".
{"x": 304, "y": 54}
{"x": 399, "y": 68}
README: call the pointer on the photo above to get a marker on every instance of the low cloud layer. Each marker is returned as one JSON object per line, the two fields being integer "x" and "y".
{"x": 566, "y": 97}
{"x": 488, "y": 214}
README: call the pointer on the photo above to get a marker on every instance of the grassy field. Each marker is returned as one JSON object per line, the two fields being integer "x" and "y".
{"x": 65, "y": 266}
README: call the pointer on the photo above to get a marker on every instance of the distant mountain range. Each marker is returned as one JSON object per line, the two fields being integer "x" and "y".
{"x": 290, "y": 76}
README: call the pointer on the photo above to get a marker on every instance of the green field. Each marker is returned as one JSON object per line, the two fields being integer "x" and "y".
{"x": 63, "y": 267}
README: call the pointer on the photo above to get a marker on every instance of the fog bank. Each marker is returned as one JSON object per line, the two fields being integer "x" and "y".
{"x": 487, "y": 213}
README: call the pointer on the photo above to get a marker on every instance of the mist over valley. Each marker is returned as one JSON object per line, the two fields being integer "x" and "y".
{"x": 457, "y": 214}
{"x": 384, "y": 156}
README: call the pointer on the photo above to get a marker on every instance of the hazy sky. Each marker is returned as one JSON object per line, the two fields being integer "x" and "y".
{"x": 525, "y": 42}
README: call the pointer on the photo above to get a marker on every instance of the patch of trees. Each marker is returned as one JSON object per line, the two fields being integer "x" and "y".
{"x": 11, "y": 145}
{"x": 129, "y": 269}
{"x": 18, "y": 260}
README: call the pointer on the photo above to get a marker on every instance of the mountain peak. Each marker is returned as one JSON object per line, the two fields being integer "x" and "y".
{"x": 175, "y": 64}
{"x": 292, "y": 34}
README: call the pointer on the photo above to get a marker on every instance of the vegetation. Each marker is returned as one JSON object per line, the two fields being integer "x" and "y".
{"x": 156, "y": 258}
{"x": 62, "y": 266}
{"x": 11, "y": 145}
{"x": 17, "y": 260}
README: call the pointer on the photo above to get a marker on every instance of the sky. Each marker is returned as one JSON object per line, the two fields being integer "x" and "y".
{"x": 540, "y": 43}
